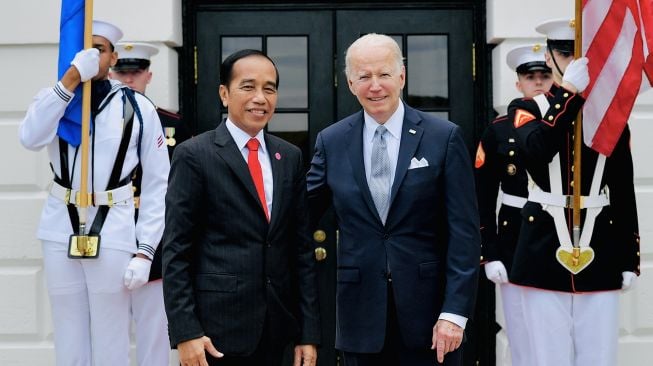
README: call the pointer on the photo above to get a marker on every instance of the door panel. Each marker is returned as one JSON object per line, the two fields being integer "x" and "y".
{"x": 302, "y": 51}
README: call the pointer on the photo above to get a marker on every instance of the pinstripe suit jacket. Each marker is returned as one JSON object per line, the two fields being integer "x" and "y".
{"x": 225, "y": 267}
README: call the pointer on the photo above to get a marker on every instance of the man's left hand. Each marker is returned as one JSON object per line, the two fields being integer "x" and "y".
{"x": 138, "y": 272}
{"x": 447, "y": 337}
{"x": 305, "y": 355}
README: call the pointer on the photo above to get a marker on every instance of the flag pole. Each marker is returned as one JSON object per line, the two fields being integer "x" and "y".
{"x": 578, "y": 140}
{"x": 86, "y": 123}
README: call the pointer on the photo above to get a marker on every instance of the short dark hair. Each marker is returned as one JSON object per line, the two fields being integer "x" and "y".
{"x": 226, "y": 68}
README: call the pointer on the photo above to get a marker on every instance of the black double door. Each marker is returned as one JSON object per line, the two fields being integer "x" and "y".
{"x": 308, "y": 47}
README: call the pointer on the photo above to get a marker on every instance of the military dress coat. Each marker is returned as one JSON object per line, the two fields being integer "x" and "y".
{"x": 499, "y": 166}
{"x": 615, "y": 238}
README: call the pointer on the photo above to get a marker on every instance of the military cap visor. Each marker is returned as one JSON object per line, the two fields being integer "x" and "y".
{"x": 131, "y": 64}
{"x": 532, "y": 67}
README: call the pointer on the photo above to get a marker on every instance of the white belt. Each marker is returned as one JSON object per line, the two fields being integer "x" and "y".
{"x": 120, "y": 196}
{"x": 567, "y": 201}
{"x": 512, "y": 200}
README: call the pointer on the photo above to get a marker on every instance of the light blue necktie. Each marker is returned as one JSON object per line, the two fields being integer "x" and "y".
{"x": 380, "y": 173}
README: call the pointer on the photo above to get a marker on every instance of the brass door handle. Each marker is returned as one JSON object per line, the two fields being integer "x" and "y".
{"x": 320, "y": 254}
{"x": 319, "y": 236}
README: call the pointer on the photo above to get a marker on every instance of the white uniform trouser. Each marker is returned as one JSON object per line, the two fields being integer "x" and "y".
{"x": 90, "y": 306}
{"x": 148, "y": 310}
{"x": 521, "y": 352}
{"x": 572, "y": 329}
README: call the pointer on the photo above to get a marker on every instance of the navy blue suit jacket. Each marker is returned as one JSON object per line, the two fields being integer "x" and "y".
{"x": 430, "y": 240}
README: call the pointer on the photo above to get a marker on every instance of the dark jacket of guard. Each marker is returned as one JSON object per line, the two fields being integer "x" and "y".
{"x": 499, "y": 165}
{"x": 615, "y": 238}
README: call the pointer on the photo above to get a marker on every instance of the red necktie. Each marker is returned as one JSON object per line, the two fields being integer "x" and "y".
{"x": 256, "y": 172}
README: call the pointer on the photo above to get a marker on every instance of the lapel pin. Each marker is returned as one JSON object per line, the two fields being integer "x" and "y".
{"x": 277, "y": 156}
{"x": 412, "y": 132}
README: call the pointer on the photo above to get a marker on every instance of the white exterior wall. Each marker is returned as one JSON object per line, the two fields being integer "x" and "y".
{"x": 512, "y": 22}
{"x": 29, "y": 35}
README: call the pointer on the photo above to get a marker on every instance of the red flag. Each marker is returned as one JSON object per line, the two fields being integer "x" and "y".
{"x": 614, "y": 44}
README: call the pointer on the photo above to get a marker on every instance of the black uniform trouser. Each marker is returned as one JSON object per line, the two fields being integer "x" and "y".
{"x": 395, "y": 352}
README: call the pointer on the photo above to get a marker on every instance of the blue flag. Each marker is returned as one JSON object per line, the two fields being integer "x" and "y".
{"x": 71, "y": 41}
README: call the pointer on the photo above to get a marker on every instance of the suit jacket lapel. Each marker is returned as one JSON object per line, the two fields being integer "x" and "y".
{"x": 356, "y": 157}
{"x": 411, "y": 135}
{"x": 277, "y": 178}
{"x": 227, "y": 149}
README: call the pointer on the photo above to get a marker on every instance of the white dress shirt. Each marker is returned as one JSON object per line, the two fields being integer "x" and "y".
{"x": 241, "y": 137}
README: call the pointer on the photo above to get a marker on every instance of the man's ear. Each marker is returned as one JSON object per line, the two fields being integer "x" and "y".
{"x": 224, "y": 95}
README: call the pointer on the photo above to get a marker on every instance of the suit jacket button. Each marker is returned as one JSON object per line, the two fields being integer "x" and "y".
{"x": 268, "y": 281}
{"x": 269, "y": 245}
{"x": 386, "y": 236}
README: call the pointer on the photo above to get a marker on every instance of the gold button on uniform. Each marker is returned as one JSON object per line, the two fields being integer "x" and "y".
{"x": 511, "y": 169}
{"x": 531, "y": 219}
{"x": 566, "y": 95}
{"x": 557, "y": 106}
{"x": 550, "y": 118}
{"x": 511, "y": 153}
{"x": 505, "y": 223}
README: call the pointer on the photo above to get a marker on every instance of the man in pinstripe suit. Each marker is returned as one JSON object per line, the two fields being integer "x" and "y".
{"x": 239, "y": 273}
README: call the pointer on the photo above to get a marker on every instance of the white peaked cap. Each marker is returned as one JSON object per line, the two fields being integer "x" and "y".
{"x": 107, "y": 30}
{"x": 530, "y": 56}
{"x": 558, "y": 29}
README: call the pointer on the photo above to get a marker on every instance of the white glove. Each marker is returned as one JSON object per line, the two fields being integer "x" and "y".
{"x": 496, "y": 272}
{"x": 87, "y": 62}
{"x": 577, "y": 74}
{"x": 629, "y": 281}
{"x": 137, "y": 273}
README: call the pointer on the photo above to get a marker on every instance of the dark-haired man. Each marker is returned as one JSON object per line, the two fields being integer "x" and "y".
{"x": 239, "y": 272}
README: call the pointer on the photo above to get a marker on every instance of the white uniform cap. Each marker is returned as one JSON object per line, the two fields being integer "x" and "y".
{"x": 107, "y": 30}
{"x": 134, "y": 56}
{"x": 135, "y": 50}
{"x": 527, "y": 58}
{"x": 558, "y": 29}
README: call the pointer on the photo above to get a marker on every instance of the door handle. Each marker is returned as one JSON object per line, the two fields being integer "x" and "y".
{"x": 319, "y": 236}
{"x": 320, "y": 254}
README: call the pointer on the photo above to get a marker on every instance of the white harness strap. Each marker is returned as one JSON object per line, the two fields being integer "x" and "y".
{"x": 593, "y": 212}
{"x": 512, "y": 200}
{"x": 558, "y": 212}
{"x": 555, "y": 202}
{"x": 542, "y": 103}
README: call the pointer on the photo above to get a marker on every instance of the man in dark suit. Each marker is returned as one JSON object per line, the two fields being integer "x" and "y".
{"x": 239, "y": 272}
{"x": 402, "y": 186}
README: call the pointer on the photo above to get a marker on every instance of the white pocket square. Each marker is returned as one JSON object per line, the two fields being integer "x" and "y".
{"x": 421, "y": 163}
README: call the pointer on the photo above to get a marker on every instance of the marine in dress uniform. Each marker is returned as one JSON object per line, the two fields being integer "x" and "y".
{"x": 499, "y": 166}
{"x": 90, "y": 298}
{"x": 572, "y": 315}
{"x": 148, "y": 310}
